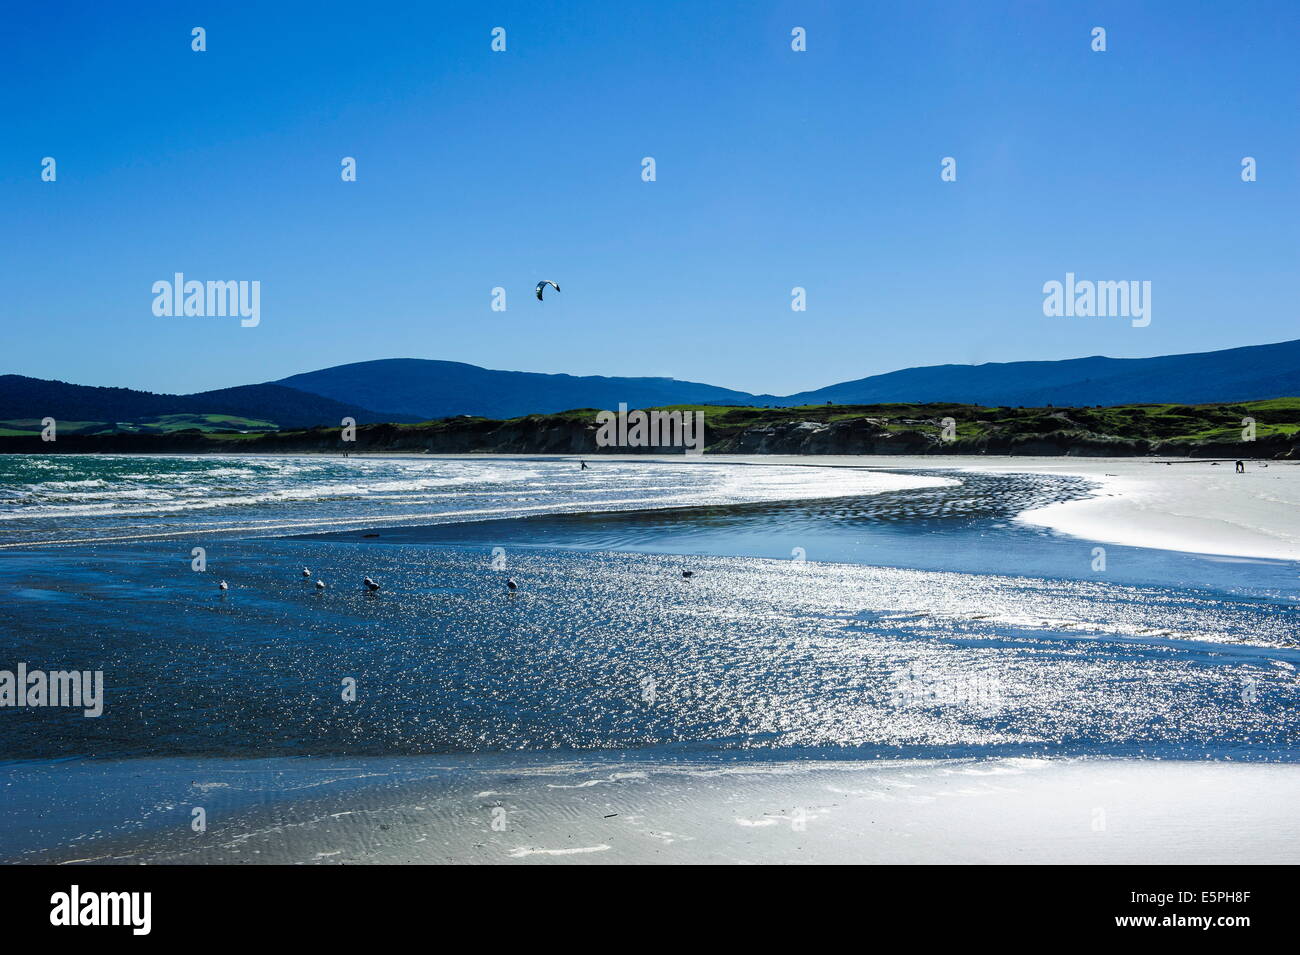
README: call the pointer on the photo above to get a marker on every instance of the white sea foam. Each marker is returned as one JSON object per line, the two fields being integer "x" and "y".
{"x": 90, "y": 495}
{"x": 524, "y": 852}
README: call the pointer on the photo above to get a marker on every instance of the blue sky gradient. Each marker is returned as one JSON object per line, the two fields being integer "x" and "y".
{"x": 775, "y": 169}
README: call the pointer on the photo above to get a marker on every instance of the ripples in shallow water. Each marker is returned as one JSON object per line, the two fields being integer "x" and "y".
{"x": 605, "y": 650}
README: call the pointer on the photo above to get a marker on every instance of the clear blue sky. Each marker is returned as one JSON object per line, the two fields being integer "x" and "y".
{"x": 775, "y": 169}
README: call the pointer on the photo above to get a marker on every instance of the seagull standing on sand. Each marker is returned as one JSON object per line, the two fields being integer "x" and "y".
{"x": 371, "y": 585}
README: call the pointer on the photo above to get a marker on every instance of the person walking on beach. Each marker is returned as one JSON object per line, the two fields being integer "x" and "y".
{"x": 1241, "y": 467}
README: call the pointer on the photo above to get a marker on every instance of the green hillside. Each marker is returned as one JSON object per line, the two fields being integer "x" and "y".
{"x": 161, "y": 424}
{"x": 1122, "y": 430}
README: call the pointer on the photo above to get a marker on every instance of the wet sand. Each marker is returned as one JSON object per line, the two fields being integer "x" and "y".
{"x": 624, "y": 808}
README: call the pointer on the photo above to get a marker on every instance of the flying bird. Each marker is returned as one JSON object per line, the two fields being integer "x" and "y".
{"x": 542, "y": 284}
{"x": 371, "y": 585}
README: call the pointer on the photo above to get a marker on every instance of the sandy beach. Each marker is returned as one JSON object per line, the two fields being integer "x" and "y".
{"x": 1184, "y": 505}
{"x": 621, "y": 808}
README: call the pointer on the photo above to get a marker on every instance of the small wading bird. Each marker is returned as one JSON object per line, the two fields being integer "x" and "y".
{"x": 306, "y": 572}
{"x": 542, "y": 285}
{"x": 511, "y": 585}
{"x": 320, "y": 585}
{"x": 371, "y": 585}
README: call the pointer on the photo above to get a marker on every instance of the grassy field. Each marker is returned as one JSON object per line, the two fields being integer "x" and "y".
{"x": 1164, "y": 422}
{"x": 164, "y": 424}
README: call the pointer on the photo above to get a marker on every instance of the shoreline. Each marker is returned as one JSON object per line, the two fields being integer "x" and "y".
{"x": 1138, "y": 502}
{"x": 626, "y": 808}
{"x": 1154, "y": 503}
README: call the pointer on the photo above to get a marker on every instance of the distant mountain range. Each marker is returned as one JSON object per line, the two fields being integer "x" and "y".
{"x": 409, "y": 389}
{"x": 1235, "y": 374}
{"x": 441, "y": 389}
{"x": 30, "y": 399}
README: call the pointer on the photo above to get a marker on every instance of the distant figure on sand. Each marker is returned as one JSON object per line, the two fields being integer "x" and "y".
{"x": 584, "y": 466}
{"x": 1241, "y": 467}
